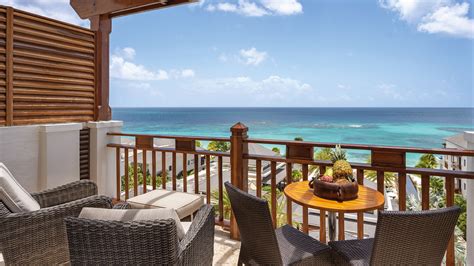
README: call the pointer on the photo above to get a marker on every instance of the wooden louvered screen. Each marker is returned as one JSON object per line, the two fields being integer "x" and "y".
{"x": 84, "y": 153}
{"x": 50, "y": 77}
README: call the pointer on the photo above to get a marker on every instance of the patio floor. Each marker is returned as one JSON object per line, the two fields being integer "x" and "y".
{"x": 226, "y": 250}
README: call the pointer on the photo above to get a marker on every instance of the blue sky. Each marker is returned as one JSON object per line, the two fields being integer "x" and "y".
{"x": 310, "y": 53}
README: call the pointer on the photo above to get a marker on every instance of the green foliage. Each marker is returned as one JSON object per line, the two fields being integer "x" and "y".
{"x": 323, "y": 154}
{"x": 139, "y": 177}
{"x": 276, "y": 150}
{"x": 338, "y": 154}
{"x": 296, "y": 175}
{"x": 219, "y": 146}
{"x": 226, "y": 203}
{"x": 390, "y": 179}
{"x": 299, "y": 139}
{"x": 281, "y": 217}
{"x": 427, "y": 161}
{"x": 198, "y": 143}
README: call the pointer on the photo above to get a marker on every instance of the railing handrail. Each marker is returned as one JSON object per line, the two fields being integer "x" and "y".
{"x": 441, "y": 151}
{"x": 172, "y": 150}
{"x": 179, "y": 137}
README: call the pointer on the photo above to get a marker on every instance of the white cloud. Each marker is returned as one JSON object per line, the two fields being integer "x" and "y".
{"x": 434, "y": 16}
{"x": 123, "y": 67}
{"x": 283, "y": 7}
{"x": 56, "y": 9}
{"x": 452, "y": 20}
{"x": 252, "y": 56}
{"x": 252, "y": 8}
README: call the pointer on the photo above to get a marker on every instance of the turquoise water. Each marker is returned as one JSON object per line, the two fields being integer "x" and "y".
{"x": 415, "y": 127}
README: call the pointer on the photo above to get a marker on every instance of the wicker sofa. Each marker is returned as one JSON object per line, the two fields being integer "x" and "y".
{"x": 39, "y": 237}
{"x": 142, "y": 242}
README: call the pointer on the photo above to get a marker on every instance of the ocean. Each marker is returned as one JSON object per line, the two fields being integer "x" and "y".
{"x": 415, "y": 127}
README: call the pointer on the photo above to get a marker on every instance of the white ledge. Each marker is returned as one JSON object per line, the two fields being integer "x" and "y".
{"x": 105, "y": 124}
{"x": 60, "y": 127}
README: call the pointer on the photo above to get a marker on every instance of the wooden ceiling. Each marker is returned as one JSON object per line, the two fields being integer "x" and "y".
{"x": 115, "y": 8}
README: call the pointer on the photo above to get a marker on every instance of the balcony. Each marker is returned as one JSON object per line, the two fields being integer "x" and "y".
{"x": 265, "y": 176}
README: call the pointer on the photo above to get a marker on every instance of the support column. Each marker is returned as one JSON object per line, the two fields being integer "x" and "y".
{"x": 102, "y": 158}
{"x": 59, "y": 154}
{"x": 238, "y": 165}
{"x": 469, "y": 137}
{"x": 102, "y": 25}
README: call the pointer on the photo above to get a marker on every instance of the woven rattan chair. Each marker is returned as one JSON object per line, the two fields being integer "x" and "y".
{"x": 262, "y": 244}
{"x": 39, "y": 237}
{"x": 402, "y": 238}
{"x": 98, "y": 242}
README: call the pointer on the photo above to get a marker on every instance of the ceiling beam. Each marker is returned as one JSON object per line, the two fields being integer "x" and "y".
{"x": 115, "y": 8}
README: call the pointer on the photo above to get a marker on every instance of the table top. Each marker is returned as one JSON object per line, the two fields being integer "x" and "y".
{"x": 367, "y": 200}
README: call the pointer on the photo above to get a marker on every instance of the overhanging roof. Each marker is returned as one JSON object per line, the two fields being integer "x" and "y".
{"x": 115, "y": 8}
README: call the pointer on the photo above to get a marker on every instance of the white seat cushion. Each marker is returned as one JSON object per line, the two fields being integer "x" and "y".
{"x": 133, "y": 215}
{"x": 185, "y": 204}
{"x": 13, "y": 195}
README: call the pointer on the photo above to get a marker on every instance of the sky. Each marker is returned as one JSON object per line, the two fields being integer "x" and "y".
{"x": 289, "y": 53}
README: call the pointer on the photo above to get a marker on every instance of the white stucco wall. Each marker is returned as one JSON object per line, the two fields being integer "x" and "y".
{"x": 469, "y": 137}
{"x": 41, "y": 156}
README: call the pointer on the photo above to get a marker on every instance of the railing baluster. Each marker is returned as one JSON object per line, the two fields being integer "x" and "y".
{"x": 208, "y": 179}
{"x": 289, "y": 207}
{"x": 425, "y": 192}
{"x": 381, "y": 183}
{"x": 173, "y": 173}
{"x": 117, "y": 169}
{"x": 221, "y": 190}
{"x": 304, "y": 169}
{"x": 164, "y": 178}
{"x": 127, "y": 187}
{"x": 360, "y": 215}
{"x": 153, "y": 169}
{"x": 258, "y": 180}
{"x": 322, "y": 169}
{"x": 196, "y": 174}
{"x": 340, "y": 226}
{"x": 450, "y": 251}
{"x": 402, "y": 191}
{"x": 185, "y": 172}
{"x": 135, "y": 172}
{"x": 144, "y": 171}
{"x": 273, "y": 194}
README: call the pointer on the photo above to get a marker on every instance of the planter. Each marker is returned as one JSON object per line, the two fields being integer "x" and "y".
{"x": 334, "y": 191}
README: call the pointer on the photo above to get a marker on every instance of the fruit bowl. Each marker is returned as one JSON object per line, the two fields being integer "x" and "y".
{"x": 335, "y": 191}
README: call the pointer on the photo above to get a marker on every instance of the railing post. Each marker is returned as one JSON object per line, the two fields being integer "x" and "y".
{"x": 238, "y": 166}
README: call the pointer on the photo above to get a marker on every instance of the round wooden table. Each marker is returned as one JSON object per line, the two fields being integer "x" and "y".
{"x": 367, "y": 200}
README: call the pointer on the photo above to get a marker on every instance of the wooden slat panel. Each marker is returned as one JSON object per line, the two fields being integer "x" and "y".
{"x": 196, "y": 173}
{"x": 208, "y": 179}
{"x": 273, "y": 195}
{"x": 84, "y": 153}
{"x": 289, "y": 207}
{"x": 304, "y": 169}
{"x": 425, "y": 192}
{"x": 221, "y": 189}
{"x": 9, "y": 67}
{"x": 185, "y": 172}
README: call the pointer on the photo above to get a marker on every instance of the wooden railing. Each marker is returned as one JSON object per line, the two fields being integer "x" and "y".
{"x": 383, "y": 159}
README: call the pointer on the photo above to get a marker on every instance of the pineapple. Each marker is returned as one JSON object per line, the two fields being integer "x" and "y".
{"x": 338, "y": 154}
{"x": 341, "y": 168}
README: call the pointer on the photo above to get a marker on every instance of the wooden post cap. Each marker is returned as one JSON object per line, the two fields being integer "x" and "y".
{"x": 239, "y": 128}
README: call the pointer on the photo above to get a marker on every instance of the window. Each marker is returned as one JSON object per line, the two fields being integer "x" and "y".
{"x": 169, "y": 168}
{"x": 465, "y": 162}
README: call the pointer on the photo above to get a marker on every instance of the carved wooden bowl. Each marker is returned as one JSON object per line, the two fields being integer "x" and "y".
{"x": 334, "y": 191}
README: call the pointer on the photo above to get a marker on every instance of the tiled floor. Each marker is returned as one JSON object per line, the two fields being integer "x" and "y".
{"x": 226, "y": 250}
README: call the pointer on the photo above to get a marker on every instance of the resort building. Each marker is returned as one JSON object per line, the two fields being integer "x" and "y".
{"x": 457, "y": 163}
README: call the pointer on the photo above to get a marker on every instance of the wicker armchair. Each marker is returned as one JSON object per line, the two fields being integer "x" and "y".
{"x": 262, "y": 245}
{"x": 39, "y": 237}
{"x": 402, "y": 238}
{"x": 155, "y": 242}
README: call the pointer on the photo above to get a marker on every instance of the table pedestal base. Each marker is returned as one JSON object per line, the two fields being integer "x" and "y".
{"x": 332, "y": 226}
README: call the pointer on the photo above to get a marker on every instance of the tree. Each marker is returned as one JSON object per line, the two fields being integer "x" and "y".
{"x": 299, "y": 138}
{"x": 221, "y": 146}
{"x": 427, "y": 161}
{"x": 276, "y": 150}
{"x": 198, "y": 143}
{"x": 324, "y": 154}
{"x": 139, "y": 177}
{"x": 296, "y": 175}
{"x": 390, "y": 178}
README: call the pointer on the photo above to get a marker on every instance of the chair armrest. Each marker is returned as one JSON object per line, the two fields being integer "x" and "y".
{"x": 66, "y": 193}
{"x": 39, "y": 237}
{"x": 122, "y": 206}
{"x": 197, "y": 246}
